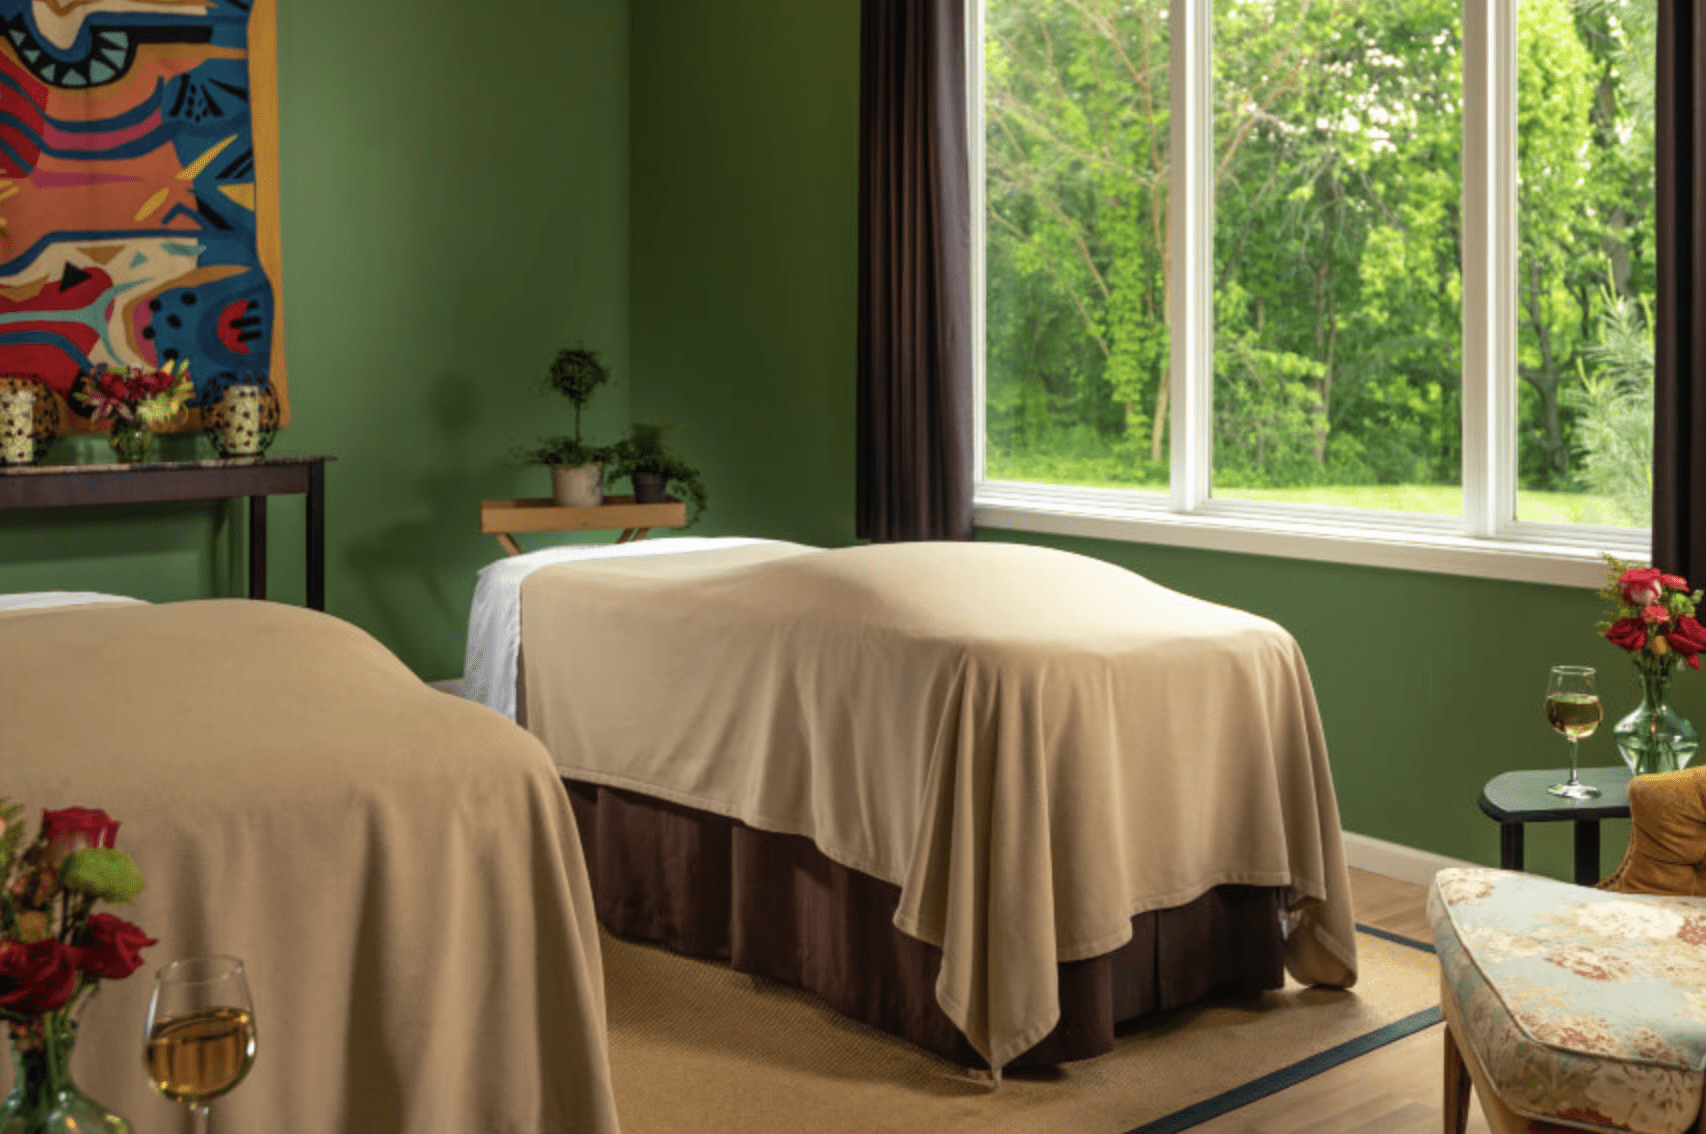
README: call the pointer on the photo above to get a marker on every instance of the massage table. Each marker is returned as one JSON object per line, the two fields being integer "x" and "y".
{"x": 397, "y": 868}
{"x": 992, "y": 798}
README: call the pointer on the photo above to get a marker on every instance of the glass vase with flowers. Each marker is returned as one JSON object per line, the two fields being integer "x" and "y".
{"x": 1654, "y": 621}
{"x": 137, "y": 401}
{"x": 54, "y": 953}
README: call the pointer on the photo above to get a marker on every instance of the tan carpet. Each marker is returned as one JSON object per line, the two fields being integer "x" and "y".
{"x": 699, "y": 1049}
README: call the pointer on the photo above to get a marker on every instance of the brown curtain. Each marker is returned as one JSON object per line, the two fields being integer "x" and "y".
{"x": 915, "y": 395}
{"x": 1679, "y": 441}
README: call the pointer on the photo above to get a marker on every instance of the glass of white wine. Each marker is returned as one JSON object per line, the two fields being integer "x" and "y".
{"x": 1573, "y": 708}
{"x": 200, "y": 1036}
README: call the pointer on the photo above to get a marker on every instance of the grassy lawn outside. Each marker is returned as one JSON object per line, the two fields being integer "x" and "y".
{"x": 1429, "y": 499}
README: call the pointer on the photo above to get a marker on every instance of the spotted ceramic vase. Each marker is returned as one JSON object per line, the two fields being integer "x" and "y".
{"x": 240, "y": 421}
{"x": 17, "y": 425}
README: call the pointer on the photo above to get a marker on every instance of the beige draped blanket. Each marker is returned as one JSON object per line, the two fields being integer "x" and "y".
{"x": 1033, "y": 745}
{"x": 398, "y": 868}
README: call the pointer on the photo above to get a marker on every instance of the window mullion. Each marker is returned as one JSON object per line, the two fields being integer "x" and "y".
{"x": 1190, "y": 237}
{"x": 1489, "y": 265}
{"x": 979, "y": 218}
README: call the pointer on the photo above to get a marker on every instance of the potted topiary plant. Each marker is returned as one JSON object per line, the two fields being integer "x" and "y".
{"x": 577, "y": 472}
{"x": 654, "y": 468}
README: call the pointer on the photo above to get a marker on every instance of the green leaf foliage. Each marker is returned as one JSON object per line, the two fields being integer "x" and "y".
{"x": 564, "y": 450}
{"x": 645, "y": 451}
{"x": 575, "y": 374}
{"x": 12, "y": 821}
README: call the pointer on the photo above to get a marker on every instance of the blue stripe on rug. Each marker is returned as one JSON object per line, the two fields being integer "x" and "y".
{"x": 1246, "y": 1093}
{"x": 1395, "y": 938}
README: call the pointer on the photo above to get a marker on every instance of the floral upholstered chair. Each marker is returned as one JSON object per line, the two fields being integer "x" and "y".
{"x": 1572, "y": 1008}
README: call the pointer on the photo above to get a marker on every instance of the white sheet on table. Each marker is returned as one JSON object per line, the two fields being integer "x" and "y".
{"x": 494, "y": 621}
{"x": 29, "y": 599}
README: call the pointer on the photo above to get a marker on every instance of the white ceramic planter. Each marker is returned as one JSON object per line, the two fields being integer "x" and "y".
{"x": 578, "y": 486}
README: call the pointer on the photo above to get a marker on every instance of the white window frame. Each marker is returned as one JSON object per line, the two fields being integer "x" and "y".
{"x": 1486, "y": 540}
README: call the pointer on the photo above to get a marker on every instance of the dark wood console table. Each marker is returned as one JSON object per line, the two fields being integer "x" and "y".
{"x": 78, "y": 486}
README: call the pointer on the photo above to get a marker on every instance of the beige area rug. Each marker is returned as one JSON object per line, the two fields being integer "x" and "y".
{"x": 696, "y": 1048}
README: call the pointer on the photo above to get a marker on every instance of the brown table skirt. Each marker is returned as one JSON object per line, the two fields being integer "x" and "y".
{"x": 773, "y": 906}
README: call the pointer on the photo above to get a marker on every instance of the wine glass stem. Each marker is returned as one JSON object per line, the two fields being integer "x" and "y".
{"x": 1573, "y": 781}
{"x": 202, "y": 1122}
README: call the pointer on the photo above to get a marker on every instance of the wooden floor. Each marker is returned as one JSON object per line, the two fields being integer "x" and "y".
{"x": 1395, "y": 1090}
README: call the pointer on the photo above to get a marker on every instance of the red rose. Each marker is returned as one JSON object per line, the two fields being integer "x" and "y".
{"x": 37, "y": 978}
{"x": 1653, "y": 614}
{"x": 112, "y": 946}
{"x": 1641, "y": 585}
{"x": 1674, "y": 582}
{"x": 1628, "y": 633}
{"x": 1688, "y": 638}
{"x": 75, "y": 828}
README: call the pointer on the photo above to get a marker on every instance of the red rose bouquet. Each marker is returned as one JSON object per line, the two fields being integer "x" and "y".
{"x": 136, "y": 401}
{"x": 54, "y": 949}
{"x": 1653, "y": 618}
{"x": 152, "y": 397}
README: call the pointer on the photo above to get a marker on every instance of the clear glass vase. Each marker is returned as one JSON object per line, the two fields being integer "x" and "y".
{"x": 131, "y": 440}
{"x": 1655, "y": 737}
{"x": 44, "y": 1100}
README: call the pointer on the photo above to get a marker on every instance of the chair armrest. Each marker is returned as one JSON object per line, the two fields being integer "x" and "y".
{"x": 1667, "y": 837}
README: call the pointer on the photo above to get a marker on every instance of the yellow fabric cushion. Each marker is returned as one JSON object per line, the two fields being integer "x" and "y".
{"x": 1667, "y": 840}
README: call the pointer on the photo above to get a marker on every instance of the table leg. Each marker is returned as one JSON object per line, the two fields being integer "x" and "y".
{"x": 316, "y": 536}
{"x": 1587, "y": 852}
{"x": 1510, "y": 846}
{"x": 257, "y": 547}
{"x": 507, "y": 542}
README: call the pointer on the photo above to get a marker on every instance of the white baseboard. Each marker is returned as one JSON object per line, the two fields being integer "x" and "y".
{"x": 1407, "y": 864}
{"x": 451, "y": 685}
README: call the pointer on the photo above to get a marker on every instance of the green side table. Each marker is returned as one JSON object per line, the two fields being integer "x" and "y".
{"x": 1515, "y": 798}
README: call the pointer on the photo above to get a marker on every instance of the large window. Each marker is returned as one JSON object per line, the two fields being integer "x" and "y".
{"x": 1358, "y": 279}
{"x": 1079, "y": 279}
{"x": 1585, "y": 272}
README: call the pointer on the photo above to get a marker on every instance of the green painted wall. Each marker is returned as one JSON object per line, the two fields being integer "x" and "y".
{"x": 745, "y": 215}
{"x": 745, "y": 204}
{"x": 455, "y": 209}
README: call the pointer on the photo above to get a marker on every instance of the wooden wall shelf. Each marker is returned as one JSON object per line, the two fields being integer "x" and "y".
{"x": 502, "y": 518}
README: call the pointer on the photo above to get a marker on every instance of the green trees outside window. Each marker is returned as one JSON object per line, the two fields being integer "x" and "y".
{"x": 1338, "y": 181}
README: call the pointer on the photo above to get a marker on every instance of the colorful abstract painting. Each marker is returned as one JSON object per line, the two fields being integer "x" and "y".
{"x": 138, "y": 189}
